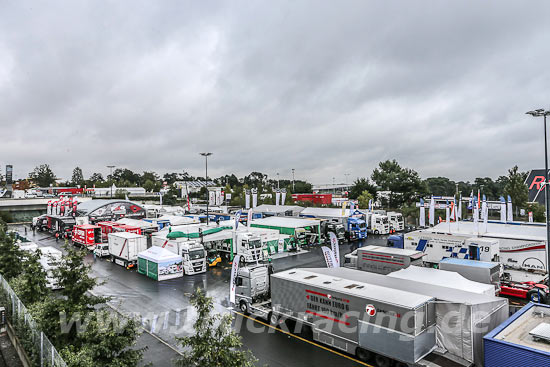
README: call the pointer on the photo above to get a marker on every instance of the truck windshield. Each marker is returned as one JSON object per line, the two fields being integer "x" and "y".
{"x": 362, "y": 225}
{"x": 385, "y": 220}
{"x": 254, "y": 244}
{"x": 196, "y": 254}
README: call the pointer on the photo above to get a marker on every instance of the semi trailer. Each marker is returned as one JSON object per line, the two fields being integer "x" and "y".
{"x": 374, "y": 316}
{"x": 86, "y": 235}
{"x": 382, "y": 260}
{"x": 354, "y": 223}
{"x": 478, "y": 271}
{"x": 124, "y": 248}
{"x": 192, "y": 252}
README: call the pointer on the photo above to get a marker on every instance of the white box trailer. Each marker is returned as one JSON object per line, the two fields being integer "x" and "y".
{"x": 354, "y": 316}
{"x": 49, "y": 259}
{"x": 477, "y": 271}
{"x": 521, "y": 246}
{"x": 124, "y": 247}
{"x": 382, "y": 259}
{"x": 438, "y": 246}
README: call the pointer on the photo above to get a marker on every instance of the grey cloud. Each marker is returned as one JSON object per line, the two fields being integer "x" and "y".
{"x": 269, "y": 86}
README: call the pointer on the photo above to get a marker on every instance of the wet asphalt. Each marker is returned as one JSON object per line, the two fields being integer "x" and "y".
{"x": 165, "y": 312}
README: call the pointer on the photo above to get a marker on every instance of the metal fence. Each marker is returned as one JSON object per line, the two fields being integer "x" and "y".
{"x": 39, "y": 349}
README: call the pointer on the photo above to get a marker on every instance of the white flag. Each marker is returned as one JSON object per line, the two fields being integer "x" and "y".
{"x": 335, "y": 248}
{"x": 432, "y": 212}
{"x": 234, "y": 274}
{"x": 249, "y": 218}
{"x": 277, "y": 197}
{"x": 447, "y": 215}
{"x": 422, "y": 214}
{"x": 283, "y": 196}
{"x": 509, "y": 210}
{"x": 237, "y": 219}
{"x": 211, "y": 198}
{"x": 218, "y": 197}
{"x": 476, "y": 218}
{"x": 502, "y": 210}
{"x": 329, "y": 257}
{"x": 254, "y": 198}
{"x": 247, "y": 199}
{"x": 484, "y": 214}
{"x": 459, "y": 209}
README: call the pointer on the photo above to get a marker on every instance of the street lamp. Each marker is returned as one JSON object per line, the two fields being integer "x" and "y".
{"x": 278, "y": 186}
{"x": 538, "y": 113}
{"x": 111, "y": 176}
{"x": 206, "y": 155}
{"x": 293, "y": 181}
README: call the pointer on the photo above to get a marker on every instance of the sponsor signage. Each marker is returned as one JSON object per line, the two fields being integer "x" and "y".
{"x": 535, "y": 185}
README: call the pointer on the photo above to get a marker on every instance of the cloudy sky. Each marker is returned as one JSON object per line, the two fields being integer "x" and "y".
{"x": 272, "y": 85}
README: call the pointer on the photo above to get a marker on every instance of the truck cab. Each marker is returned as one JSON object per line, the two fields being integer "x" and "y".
{"x": 378, "y": 223}
{"x": 396, "y": 221}
{"x": 252, "y": 290}
{"x": 357, "y": 229}
{"x": 395, "y": 241}
{"x": 194, "y": 258}
{"x": 249, "y": 245}
{"x": 101, "y": 250}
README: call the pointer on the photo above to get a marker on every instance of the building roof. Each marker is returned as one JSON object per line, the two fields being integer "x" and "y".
{"x": 474, "y": 263}
{"x": 516, "y": 330}
{"x": 494, "y": 230}
{"x": 325, "y": 212}
{"x": 342, "y": 283}
{"x": 87, "y": 207}
{"x": 285, "y": 222}
{"x": 393, "y": 251}
{"x": 268, "y": 208}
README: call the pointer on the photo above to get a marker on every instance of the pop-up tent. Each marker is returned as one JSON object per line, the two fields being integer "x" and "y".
{"x": 160, "y": 264}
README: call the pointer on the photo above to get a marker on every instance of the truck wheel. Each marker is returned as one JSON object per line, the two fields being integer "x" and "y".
{"x": 243, "y": 306}
{"x": 382, "y": 361}
{"x": 272, "y": 319}
{"x": 376, "y": 232}
{"x": 363, "y": 354}
{"x": 534, "y": 296}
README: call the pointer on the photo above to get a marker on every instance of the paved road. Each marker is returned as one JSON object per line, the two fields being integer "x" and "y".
{"x": 165, "y": 312}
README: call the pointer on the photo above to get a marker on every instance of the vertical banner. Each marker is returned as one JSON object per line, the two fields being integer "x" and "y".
{"x": 422, "y": 221}
{"x": 530, "y": 217}
{"x": 277, "y": 196}
{"x": 432, "y": 212}
{"x": 502, "y": 210}
{"x": 218, "y": 197}
{"x": 344, "y": 204}
{"x": 351, "y": 208}
{"x": 370, "y": 205}
{"x": 237, "y": 219}
{"x": 49, "y": 209}
{"x": 75, "y": 206}
{"x": 254, "y": 198}
{"x": 476, "y": 217}
{"x": 247, "y": 199}
{"x": 211, "y": 198}
{"x": 335, "y": 248}
{"x": 484, "y": 214}
{"x": 329, "y": 257}
{"x": 459, "y": 208}
{"x": 283, "y": 196}
{"x": 447, "y": 215}
{"x": 249, "y": 218}
{"x": 234, "y": 274}
{"x": 509, "y": 212}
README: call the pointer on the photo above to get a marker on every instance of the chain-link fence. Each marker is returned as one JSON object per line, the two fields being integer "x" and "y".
{"x": 39, "y": 349}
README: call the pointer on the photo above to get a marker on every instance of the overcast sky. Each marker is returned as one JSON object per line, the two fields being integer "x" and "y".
{"x": 272, "y": 85}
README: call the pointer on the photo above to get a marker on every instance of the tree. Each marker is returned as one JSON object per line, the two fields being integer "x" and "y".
{"x": 43, "y": 175}
{"x": 440, "y": 186}
{"x": 31, "y": 284}
{"x": 364, "y": 199}
{"x": 359, "y": 186}
{"x": 515, "y": 187}
{"x": 96, "y": 178}
{"x": 171, "y": 197}
{"x": 404, "y": 184}
{"x": 106, "y": 340}
{"x": 78, "y": 177}
{"x": 11, "y": 263}
{"x": 149, "y": 185}
{"x": 214, "y": 343}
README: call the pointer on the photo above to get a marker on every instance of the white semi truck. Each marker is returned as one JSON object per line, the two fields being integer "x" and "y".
{"x": 191, "y": 251}
{"x": 397, "y": 223}
{"x": 377, "y": 223}
{"x": 49, "y": 259}
{"x": 246, "y": 243}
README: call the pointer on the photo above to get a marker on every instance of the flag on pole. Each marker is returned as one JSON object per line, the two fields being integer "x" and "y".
{"x": 351, "y": 208}
{"x": 447, "y": 215}
{"x": 234, "y": 274}
{"x": 335, "y": 248}
{"x": 502, "y": 209}
{"x": 370, "y": 205}
{"x": 249, "y": 218}
{"x": 237, "y": 218}
{"x": 484, "y": 214}
{"x": 254, "y": 198}
{"x": 432, "y": 212}
{"x": 277, "y": 196}
{"x": 509, "y": 212}
{"x": 471, "y": 201}
{"x": 283, "y": 196}
{"x": 459, "y": 210}
{"x": 344, "y": 204}
{"x": 247, "y": 199}
{"x": 422, "y": 214}
{"x": 330, "y": 259}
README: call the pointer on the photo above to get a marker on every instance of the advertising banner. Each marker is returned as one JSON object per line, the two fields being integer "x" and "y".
{"x": 335, "y": 248}
{"x": 329, "y": 257}
{"x": 234, "y": 273}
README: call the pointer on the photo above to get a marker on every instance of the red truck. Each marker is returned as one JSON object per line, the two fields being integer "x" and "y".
{"x": 86, "y": 235}
{"x": 532, "y": 291}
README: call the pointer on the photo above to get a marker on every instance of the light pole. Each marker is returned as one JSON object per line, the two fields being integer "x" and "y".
{"x": 293, "y": 181}
{"x": 111, "y": 179}
{"x": 278, "y": 186}
{"x": 333, "y": 185}
{"x": 347, "y": 175}
{"x": 538, "y": 113}
{"x": 206, "y": 155}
